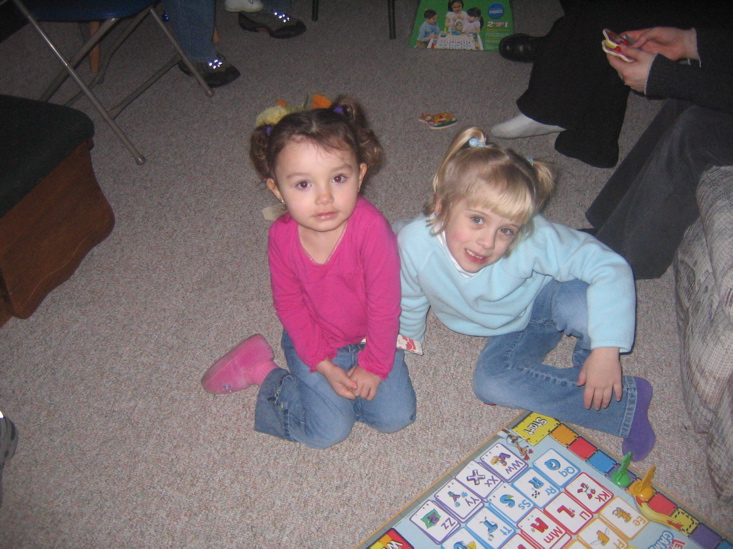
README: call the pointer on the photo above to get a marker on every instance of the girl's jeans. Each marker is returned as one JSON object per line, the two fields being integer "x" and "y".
{"x": 301, "y": 406}
{"x": 510, "y": 371}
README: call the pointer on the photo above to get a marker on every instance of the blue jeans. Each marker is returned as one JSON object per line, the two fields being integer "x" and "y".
{"x": 192, "y": 22}
{"x": 277, "y": 5}
{"x": 301, "y": 406}
{"x": 510, "y": 371}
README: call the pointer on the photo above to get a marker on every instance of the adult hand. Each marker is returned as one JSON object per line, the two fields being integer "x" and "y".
{"x": 633, "y": 74}
{"x": 671, "y": 42}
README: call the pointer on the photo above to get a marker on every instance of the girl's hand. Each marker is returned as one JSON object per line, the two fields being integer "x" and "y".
{"x": 367, "y": 382}
{"x": 338, "y": 379}
{"x": 601, "y": 375}
{"x": 633, "y": 74}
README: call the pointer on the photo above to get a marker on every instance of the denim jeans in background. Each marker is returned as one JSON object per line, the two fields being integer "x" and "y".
{"x": 192, "y": 24}
{"x": 277, "y": 5}
{"x": 510, "y": 370}
{"x": 301, "y": 406}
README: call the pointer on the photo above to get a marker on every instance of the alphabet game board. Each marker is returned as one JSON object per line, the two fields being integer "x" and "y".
{"x": 540, "y": 484}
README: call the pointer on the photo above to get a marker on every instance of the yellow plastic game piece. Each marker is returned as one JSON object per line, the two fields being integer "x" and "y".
{"x": 642, "y": 489}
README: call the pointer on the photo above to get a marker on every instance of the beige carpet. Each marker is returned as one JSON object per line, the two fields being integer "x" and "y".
{"x": 120, "y": 446}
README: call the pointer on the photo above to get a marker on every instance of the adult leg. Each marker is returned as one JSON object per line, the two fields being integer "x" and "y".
{"x": 648, "y": 204}
{"x": 301, "y": 406}
{"x": 193, "y": 27}
{"x": 573, "y": 86}
{"x": 510, "y": 371}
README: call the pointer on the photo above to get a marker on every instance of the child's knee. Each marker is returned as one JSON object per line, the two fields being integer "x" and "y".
{"x": 321, "y": 440}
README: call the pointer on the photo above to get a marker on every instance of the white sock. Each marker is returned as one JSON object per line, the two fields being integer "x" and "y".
{"x": 522, "y": 126}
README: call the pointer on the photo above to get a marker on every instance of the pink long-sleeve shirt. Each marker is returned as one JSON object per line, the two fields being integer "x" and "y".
{"x": 354, "y": 295}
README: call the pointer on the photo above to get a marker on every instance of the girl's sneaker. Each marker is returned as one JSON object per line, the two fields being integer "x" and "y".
{"x": 243, "y": 5}
{"x": 246, "y": 364}
{"x": 8, "y": 442}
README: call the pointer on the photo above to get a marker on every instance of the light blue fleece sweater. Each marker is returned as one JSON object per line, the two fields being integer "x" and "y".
{"x": 498, "y": 299}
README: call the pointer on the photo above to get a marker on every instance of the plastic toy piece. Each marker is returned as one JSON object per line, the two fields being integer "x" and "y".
{"x": 438, "y": 121}
{"x": 621, "y": 476}
{"x": 612, "y": 42}
{"x": 643, "y": 491}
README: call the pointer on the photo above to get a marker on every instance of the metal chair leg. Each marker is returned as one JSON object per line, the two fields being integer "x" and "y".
{"x": 139, "y": 158}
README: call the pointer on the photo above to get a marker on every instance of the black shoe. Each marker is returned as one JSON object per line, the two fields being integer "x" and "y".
{"x": 520, "y": 47}
{"x": 277, "y": 24}
{"x": 217, "y": 72}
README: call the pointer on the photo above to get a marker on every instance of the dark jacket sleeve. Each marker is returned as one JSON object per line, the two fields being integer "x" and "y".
{"x": 708, "y": 85}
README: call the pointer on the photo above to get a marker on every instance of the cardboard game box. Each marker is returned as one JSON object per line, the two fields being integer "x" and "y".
{"x": 479, "y": 25}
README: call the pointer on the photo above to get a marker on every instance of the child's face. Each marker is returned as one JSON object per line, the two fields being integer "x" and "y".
{"x": 319, "y": 186}
{"x": 457, "y": 7}
{"x": 472, "y": 18}
{"x": 432, "y": 20}
{"x": 478, "y": 237}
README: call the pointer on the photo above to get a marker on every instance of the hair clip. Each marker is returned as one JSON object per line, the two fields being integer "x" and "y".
{"x": 530, "y": 160}
{"x": 476, "y": 142}
{"x": 339, "y": 109}
{"x": 268, "y": 129}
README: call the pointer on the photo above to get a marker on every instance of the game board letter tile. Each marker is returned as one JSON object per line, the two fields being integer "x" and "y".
{"x": 602, "y": 462}
{"x": 435, "y": 522}
{"x": 536, "y": 487}
{"x": 582, "y": 448}
{"x": 490, "y": 528}
{"x": 503, "y": 461}
{"x": 569, "y": 513}
{"x": 535, "y": 427}
{"x": 542, "y": 530}
{"x": 462, "y": 539}
{"x": 391, "y": 540}
{"x": 687, "y": 523}
{"x": 707, "y": 538}
{"x": 598, "y": 533}
{"x": 576, "y": 544}
{"x": 555, "y": 467}
{"x": 479, "y": 479}
{"x": 624, "y": 518}
{"x": 458, "y": 500}
{"x": 588, "y": 492}
{"x": 662, "y": 504}
{"x": 564, "y": 434}
{"x": 517, "y": 541}
{"x": 510, "y": 502}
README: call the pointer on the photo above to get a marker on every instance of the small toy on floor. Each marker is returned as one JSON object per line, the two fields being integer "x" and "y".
{"x": 438, "y": 121}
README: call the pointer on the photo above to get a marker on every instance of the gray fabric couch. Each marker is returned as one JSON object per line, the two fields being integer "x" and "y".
{"x": 704, "y": 294}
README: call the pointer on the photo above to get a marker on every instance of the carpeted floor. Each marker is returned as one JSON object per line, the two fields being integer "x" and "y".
{"x": 120, "y": 446}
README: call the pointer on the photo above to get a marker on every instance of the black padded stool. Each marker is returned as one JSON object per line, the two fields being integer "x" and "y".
{"x": 52, "y": 210}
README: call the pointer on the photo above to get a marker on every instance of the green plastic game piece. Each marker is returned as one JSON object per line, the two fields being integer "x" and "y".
{"x": 621, "y": 476}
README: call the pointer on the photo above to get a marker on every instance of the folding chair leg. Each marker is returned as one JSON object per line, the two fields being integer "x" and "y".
{"x": 182, "y": 54}
{"x": 139, "y": 158}
{"x": 74, "y": 61}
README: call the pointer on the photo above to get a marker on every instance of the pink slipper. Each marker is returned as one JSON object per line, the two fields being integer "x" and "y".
{"x": 246, "y": 364}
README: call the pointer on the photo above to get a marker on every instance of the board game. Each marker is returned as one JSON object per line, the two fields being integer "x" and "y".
{"x": 540, "y": 484}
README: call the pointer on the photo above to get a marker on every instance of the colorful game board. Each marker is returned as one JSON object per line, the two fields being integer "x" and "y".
{"x": 540, "y": 484}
